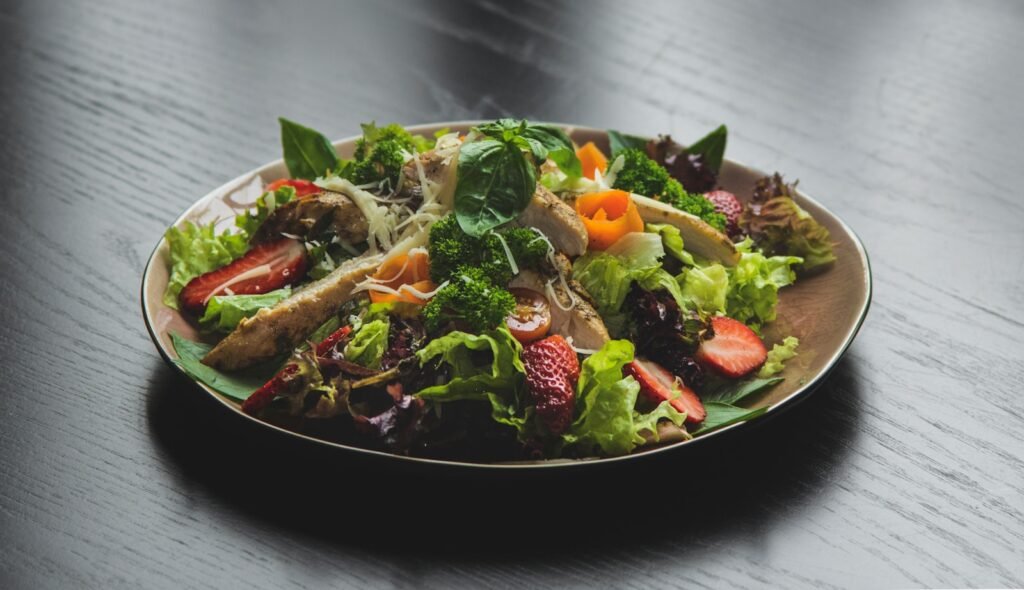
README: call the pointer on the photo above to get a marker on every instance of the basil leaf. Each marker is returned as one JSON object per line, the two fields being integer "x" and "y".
{"x": 307, "y": 153}
{"x": 720, "y": 415}
{"x": 556, "y": 145}
{"x": 503, "y": 129}
{"x": 734, "y": 393}
{"x": 712, "y": 147}
{"x": 495, "y": 184}
{"x": 237, "y": 385}
{"x": 621, "y": 141}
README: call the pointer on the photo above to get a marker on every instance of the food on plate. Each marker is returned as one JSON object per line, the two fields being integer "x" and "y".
{"x": 501, "y": 294}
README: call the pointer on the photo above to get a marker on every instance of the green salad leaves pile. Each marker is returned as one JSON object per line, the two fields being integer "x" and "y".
{"x": 396, "y": 368}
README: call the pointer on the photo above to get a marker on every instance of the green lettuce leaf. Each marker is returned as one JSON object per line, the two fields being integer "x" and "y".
{"x": 705, "y": 288}
{"x": 607, "y": 422}
{"x": 672, "y": 241}
{"x": 649, "y": 422}
{"x": 369, "y": 343}
{"x": 754, "y": 284}
{"x": 481, "y": 364}
{"x": 250, "y": 221}
{"x": 605, "y": 401}
{"x": 223, "y": 312}
{"x": 237, "y": 385}
{"x": 197, "y": 249}
{"x": 607, "y": 279}
{"x": 485, "y": 367}
{"x": 778, "y": 355}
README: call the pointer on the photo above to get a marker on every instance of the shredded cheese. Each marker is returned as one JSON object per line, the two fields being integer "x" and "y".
{"x": 403, "y": 290}
{"x": 549, "y": 290}
{"x": 508, "y": 253}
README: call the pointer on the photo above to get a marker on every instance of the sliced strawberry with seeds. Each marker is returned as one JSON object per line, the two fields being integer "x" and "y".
{"x": 552, "y": 370}
{"x": 658, "y": 385}
{"x": 727, "y": 204}
{"x": 265, "y": 268}
{"x": 262, "y": 397}
{"x": 331, "y": 341}
{"x": 735, "y": 349}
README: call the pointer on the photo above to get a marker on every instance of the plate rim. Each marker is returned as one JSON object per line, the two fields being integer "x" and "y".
{"x": 543, "y": 464}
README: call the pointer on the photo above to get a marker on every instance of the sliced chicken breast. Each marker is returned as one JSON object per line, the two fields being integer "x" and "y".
{"x": 279, "y": 329}
{"x": 582, "y": 322}
{"x": 557, "y": 220}
{"x": 698, "y": 237}
{"x": 325, "y": 213}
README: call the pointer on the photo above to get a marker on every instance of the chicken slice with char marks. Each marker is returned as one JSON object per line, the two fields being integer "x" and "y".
{"x": 582, "y": 323}
{"x": 557, "y": 220}
{"x": 325, "y": 214}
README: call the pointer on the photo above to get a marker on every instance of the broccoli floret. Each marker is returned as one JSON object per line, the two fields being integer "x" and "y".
{"x": 470, "y": 298}
{"x": 643, "y": 176}
{"x": 451, "y": 248}
{"x": 381, "y": 152}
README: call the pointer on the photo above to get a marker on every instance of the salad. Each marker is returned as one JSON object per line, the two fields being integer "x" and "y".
{"x": 502, "y": 294}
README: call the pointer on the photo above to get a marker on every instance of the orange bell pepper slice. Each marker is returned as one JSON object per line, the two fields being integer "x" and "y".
{"x": 608, "y": 216}
{"x": 591, "y": 159}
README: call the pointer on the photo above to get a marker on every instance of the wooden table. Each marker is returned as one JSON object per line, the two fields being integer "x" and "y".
{"x": 905, "y": 469}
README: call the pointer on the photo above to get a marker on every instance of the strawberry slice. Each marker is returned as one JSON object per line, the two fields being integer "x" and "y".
{"x": 303, "y": 188}
{"x": 658, "y": 385}
{"x": 262, "y": 397}
{"x": 264, "y": 268}
{"x": 734, "y": 351}
{"x": 331, "y": 341}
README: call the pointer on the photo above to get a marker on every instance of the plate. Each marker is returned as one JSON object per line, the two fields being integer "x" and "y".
{"x": 824, "y": 311}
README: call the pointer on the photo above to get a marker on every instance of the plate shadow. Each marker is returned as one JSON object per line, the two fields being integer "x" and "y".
{"x": 759, "y": 472}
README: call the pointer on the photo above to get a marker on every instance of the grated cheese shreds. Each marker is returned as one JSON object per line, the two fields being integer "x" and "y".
{"x": 508, "y": 253}
{"x": 402, "y": 290}
{"x": 380, "y": 219}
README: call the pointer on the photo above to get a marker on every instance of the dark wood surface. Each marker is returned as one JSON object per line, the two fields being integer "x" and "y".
{"x": 905, "y": 469}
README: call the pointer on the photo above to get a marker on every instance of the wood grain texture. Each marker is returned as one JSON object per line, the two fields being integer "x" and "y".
{"x": 905, "y": 469}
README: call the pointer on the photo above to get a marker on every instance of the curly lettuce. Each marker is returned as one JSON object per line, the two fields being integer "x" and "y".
{"x": 250, "y": 221}
{"x": 197, "y": 249}
{"x": 777, "y": 357}
{"x": 484, "y": 367}
{"x": 369, "y": 343}
{"x": 754, "y": 284}
{"x": 780, "y": 227}
{"x": 607, "y": 421}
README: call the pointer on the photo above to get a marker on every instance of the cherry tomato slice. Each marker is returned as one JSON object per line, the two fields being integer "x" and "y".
{"x": 531, "y": 319}
{"x": 303, "y": 188}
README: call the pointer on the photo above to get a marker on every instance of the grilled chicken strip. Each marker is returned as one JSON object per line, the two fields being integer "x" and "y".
{"x": 439, "y": 169}
{"x": 279, "y": 329}
{"x": 698, "y": 237}
{"x": 325, "y": 213}
{"x": 582, "y": 323}
{"x": 557, "y": 220}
